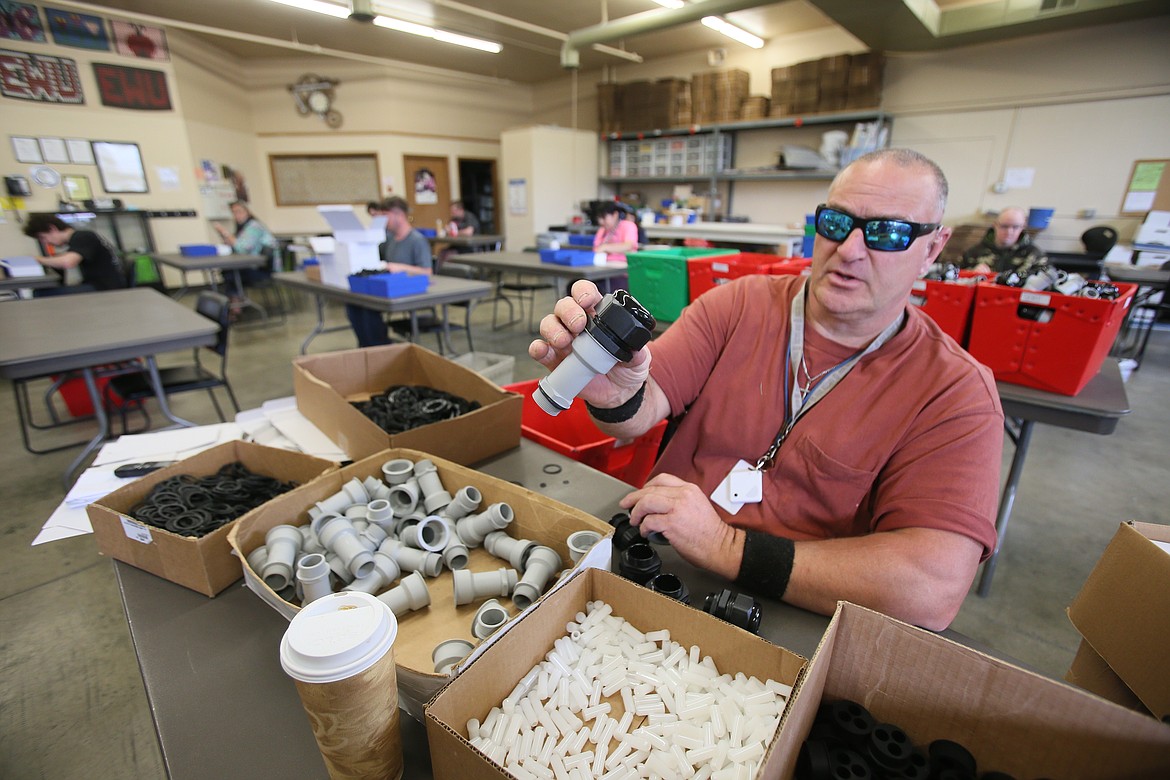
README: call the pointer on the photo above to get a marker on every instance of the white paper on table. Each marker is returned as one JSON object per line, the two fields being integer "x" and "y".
{"x": 1164, "y": 545}
{"x": 167, "y": 445}
{"x": 308, "y": 437}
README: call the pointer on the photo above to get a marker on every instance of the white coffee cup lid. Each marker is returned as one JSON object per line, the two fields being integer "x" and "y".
{"x": 336, "y": 637}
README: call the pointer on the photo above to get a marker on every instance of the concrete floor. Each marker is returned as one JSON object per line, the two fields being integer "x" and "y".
{"x": 71, "y": 698}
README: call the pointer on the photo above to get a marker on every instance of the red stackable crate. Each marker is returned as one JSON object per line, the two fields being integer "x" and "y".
{"x": 948, "y": 304}
{"x": 1044, "y": 340}
{"x": 706, "y": 273}
{"x": 573, "y": 434}
{"x": 790, "y": 266}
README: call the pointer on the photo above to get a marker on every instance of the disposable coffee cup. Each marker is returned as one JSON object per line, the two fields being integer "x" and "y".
{"x": 339, "y": 650}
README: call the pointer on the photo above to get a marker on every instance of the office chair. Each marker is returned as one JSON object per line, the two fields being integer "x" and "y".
{"x": 136, "y": 388}
{"x": 1099, "y": 240}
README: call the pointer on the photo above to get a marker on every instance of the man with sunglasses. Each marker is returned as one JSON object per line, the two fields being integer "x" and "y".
{"x": 1005, "y": 245}
{"x": 834, "y": 443}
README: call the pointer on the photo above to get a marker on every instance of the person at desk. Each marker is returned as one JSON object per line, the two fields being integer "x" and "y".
{"x": 82, "y": 249}
{"x": 404, "y": 246}
{"x": 462, "y": 222}
{"x": 866, "y": 443}
{"x": 1005, "y": 245}
{"x": 617, "y": 235}
{"x": 251, "y": 237}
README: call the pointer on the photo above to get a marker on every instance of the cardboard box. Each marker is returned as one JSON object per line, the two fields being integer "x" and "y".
{"x": 538, "y": 518}
{"x": 493, "y": 675}
{"x": 355, "y": 245}
{"x": 325, "y": 385}
{"x": 1089, "y": 671}
{"x": 1123, "y": 612}
{"x": 203, "y": 564}
{"x": 1012, "y": 720}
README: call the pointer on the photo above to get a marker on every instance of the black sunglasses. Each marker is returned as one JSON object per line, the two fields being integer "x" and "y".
{"x": 881, "y": 234}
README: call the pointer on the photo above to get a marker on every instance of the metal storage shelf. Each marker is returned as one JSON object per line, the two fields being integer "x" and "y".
{"x": 753, "y": 124}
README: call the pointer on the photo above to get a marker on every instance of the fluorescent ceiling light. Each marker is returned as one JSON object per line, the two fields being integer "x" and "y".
{"x": 443, "y": 36}
{"x": 731, "y": 31}
{"x": 670, "y": 3}
{"x": 318, "y": 6}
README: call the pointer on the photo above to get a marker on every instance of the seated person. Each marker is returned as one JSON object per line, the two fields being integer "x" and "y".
{"x": 617, "y": 235}
{"x": 251, "y": 237}
{"x": 404, "y": 246}
{"x": 1005, "y": 246}
{"x": 85, "y": 250}
{"x": 873, "y": 440}
{"x": 462, "y": 222}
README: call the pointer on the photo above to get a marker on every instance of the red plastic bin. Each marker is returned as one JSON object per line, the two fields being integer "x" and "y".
{"x": 1044, "y": 340}
{"x": 791, "y": 266}
{"x": 707, "y": 273}
{"x": 948, "y": 304}
{"x": 573, "y": 434}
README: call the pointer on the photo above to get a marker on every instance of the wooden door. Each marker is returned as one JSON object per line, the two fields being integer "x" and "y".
{"x": 428, "y": 189}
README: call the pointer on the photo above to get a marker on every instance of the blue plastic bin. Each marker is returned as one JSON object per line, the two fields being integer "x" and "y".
{"x": 566, "y": 257}
{"x": 359, "y": 283}
{"x": 197, "y": 250}
{"x": 576, "y": 239}
{"x": 428, "y": 232}
{"x": 396, "y": 285}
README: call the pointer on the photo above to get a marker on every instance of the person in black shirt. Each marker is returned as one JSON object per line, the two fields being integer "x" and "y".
{"x": 83, "y": 249}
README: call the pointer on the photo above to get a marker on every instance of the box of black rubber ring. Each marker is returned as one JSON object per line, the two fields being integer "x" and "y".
{"x": 204, "y": 563}
{"x": 1010, "y": 719}
{"x": 327, "y": 386}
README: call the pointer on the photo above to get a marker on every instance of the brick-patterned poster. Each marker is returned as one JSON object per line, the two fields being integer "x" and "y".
{"x": 136, "y": 88}
{"x": 40, "y": 77}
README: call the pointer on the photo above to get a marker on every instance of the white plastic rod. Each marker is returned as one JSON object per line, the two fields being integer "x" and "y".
{"x": 514, "y": 551}
{"x": 435, "y": 497}
{"x": 313, "y": 575}
{"x": 384, "y": 572}
{"x": 474, "y": 528}
{"x": 542, "y": 562}
{"x": 283, "y": 542}
{"x": 411, "y": 594}
{"x": 472, "y": 586}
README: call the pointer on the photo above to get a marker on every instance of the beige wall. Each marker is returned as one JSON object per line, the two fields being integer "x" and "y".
{"x": 557, "y": 167}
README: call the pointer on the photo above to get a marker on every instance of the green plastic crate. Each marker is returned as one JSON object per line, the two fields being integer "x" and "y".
{"x": 659, "y": 280}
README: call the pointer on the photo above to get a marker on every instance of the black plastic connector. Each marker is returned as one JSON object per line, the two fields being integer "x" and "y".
{"x": 947, "y": 755}
{"x": 639, "y": 563}
{"x": 738, "y": 609}
{"x": 624, "y": 534}
{"x": 670, "y": 586}
{"x": 621, "y": 325}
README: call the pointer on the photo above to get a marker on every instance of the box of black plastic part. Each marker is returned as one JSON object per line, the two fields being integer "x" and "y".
{"x": 1011, "y": 720}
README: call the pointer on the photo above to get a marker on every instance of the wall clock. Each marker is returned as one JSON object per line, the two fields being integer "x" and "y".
{"x": 314, "y": 94}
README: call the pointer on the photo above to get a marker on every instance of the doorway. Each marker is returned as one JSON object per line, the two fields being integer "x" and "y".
{"x": 428, "y": 189}
{"x": 477, "y": 185}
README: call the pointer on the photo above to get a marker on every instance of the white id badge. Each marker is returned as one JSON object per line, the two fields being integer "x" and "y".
{"x": 742, "y": 485}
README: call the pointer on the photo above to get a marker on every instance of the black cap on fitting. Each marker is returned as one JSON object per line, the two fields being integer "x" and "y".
{"x": 739, "y": 609}
{"x": 624, "y": 534}
{"x": 671, "y": 586}
{"x": 621, "y": 325}
{"x": 639, "y": 563}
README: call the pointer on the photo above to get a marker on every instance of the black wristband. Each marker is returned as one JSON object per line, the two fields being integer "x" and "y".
{"x": 767, "y": 563}
{"x": 619, "y": 414}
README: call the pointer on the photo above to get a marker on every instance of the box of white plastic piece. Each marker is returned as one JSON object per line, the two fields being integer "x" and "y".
{"x": 355, "y": 248}
{"x": 1010, "y": 719}
{"x": 493, "y": 675}
{"x": 538, "y": 518}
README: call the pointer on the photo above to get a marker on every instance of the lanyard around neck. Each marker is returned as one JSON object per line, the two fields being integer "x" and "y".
{"x": 797, "y": 401}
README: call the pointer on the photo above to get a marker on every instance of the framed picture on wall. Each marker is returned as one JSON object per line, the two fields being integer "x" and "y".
{"x": 120, "y": 166}
{"x": 77, "y": 187}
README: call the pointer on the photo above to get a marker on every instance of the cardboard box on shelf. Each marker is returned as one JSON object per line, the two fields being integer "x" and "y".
{"x": 1123, "y": 613}
{"x": 203, "y": 564}
{"x": 538, "y": 518}
{"x": 327, "y": 384}
{"x": 1012, "y": 720}
{"x": 493, "y": 675}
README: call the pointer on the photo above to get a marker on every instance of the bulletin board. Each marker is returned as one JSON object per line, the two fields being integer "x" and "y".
{"x": 318, "y": 179}
{"x": 1147, "y": 189}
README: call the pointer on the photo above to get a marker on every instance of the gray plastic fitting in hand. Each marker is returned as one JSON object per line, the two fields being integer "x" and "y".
{"x": 385, "y": 571}
{"x": 379, "y": 513}
{"x": 337, "y": 534}
{"x": 431, "y": 534}
{"x": 313, "y": 576}
{"x": 283, "y": 543}
{"x": 514, "y": 551}
{"x": 376, "y": 488}
{"x": 580, "y": 542}
{"x": 352, "y": 492}
{"x": 466, "y": 500}
{"x": 472, "y": 586}
{"x": 447, "y": 654}
{"x": 542, "y": 563}
{"x": 397, "y": 471}
{"x": 489, "y": 618}
{"x": 338, "y": 568}
{"x": 404, "y": 497}
{"x": 435, "y": 497}
{"x": 473, "y": 529}
{"x": 428, "y": 564}
{"x": 409, "y": 595}
{"x": 309, "y": 541}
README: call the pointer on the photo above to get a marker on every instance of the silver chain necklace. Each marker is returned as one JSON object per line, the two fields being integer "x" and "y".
{"x": 810, "y": 380}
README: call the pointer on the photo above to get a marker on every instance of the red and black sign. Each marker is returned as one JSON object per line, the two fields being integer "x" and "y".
{"x": 137, "y": 88}
{"x": 40, "y": 77}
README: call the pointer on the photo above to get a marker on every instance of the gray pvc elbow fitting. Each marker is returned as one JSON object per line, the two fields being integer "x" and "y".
{"x": 514, "y": 551}
{"x": 313, "y": 576}
{"x": 372, "y": 537}
{"x": 376, "y": 488}
{"x": 357, "y": 512}
{"x": 409, "y": 559}
{"x": 431, "y": 534}
{"x": 542, "y": 562}
{"x": 385, "y": 571}
{"x": 580, "y": 542}
{"x": 435, "y": 497}
{"x": 283, "y": 543}
{"x": 473, "y": 529}
{"x": 466, "y": 500}
{"x": 454, "y": 554}
{"x": 397, "y": 471}
{"x": 337, "y": 534}
{"x": 409, "y": 595}
{"x": 472, "y": 586}
{"x": 379, "y": 513}
{"x": 447, "y": 654}
{"x": 257, "y": 558}
{"x": 489, "y": 618}
{"x": 338, "y": 568}
{"x": 404, "y": 497}
{"x": 309, "y": 541}
{"x": 352, "y": 492}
